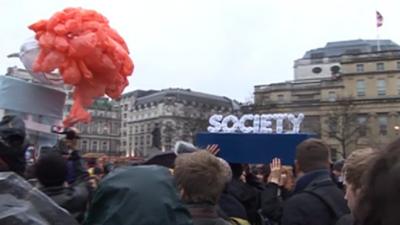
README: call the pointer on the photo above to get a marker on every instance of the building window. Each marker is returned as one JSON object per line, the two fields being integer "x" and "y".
{"x": 104, "y": 146}
{"x": 380, "y": 67}
{"x": 125, "y": 115}
{"x": 398, "y": 65}
{"x": 360, "y": 68}
{"x": 362, "y": 126}
{"x": 332, "y": 96}
{"x": 94, "y": 146}
{"x": 360, "y": 88}
{"x": 281, "y": 97}
{"x": 141, "y": 128}
{"x": 332, "y": 123}
{"x": 383, "y": 125}
{"x": 381, "y": 87}
{"x": 84, "y": 145}
{"x": 317, "y": 70}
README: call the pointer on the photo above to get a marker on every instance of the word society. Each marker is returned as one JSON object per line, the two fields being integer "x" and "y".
{"x": 260, "y": 123}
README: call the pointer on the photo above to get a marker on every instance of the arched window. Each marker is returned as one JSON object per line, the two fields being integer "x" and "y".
{"x": 84, "y": 146}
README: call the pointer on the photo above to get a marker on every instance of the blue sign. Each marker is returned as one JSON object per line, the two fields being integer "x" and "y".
{"x": 253, "y": 148}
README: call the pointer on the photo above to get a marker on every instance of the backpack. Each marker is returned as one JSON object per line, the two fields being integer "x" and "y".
{"x": 322, "y": 190}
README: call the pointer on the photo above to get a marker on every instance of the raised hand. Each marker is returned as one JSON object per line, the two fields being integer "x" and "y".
{"x": 276, "y": 168}
{"x": 213, "y": 149}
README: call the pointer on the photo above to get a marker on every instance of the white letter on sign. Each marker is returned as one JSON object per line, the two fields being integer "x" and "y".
{"x": 266, "y": 123}
{"x": 296, "y": 122}
{"x": 279, "y": 122}
{"x": 242, "y": 123}
{"x": 215, "y": 123}
{"x": 225, "y": 122}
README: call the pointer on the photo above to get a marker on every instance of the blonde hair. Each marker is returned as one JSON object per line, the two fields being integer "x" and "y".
{"x": 356, "y": 165}
{"x": 201, "y": 176}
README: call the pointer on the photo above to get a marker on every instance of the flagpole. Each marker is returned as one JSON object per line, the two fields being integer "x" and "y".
{"x": 379, "y": 22}
{"x": 378, "y": 44}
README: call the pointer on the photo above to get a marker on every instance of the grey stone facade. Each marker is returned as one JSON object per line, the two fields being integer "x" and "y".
{"x": 156, "y": 121}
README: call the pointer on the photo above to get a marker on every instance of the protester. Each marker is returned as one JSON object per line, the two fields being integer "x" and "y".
{"x": 247, "y": 195}
{"x": 68, "y": 147}
{"x": 278, "y": 187}
{"x": 261, "y": 172}
{"x": 315, "y": 195}
{"x": 51, "y": 171}
{"x": 354, "y": 171}
{"x": 21, "y": 203}
{"x": 12, "y": 151}
{"x": 139, "y": 195}
{"x": 379, "y": 198}
{"x": 337, "y": 176}
{"x": 201, "y": 178}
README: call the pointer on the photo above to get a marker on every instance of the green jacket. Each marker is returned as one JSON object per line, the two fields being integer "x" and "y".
{"x": 138, "y": 195}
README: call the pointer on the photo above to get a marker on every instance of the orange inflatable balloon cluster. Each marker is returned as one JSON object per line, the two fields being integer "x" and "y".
{"x": 89, "y": 54}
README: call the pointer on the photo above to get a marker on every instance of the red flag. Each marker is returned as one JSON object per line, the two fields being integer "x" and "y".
{"x": 379, "y": 19}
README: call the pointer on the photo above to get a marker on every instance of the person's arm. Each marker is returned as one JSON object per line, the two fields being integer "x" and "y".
{"x": 271, "y": 203}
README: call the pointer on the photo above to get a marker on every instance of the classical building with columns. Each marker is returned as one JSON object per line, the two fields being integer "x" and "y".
{"x": 102, "y": 134}
{"x": 353, "y": 106}
{"x": 157, "y": 120}
{"x": 127, "y": 103}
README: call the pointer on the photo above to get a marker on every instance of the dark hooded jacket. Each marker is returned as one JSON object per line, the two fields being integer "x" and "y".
{"x": 305, "y": 207}
{"x": 138, "y": 195}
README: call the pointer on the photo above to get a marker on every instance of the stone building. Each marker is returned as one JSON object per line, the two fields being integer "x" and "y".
{"x": 157, "y": 120}
{"x": 355, "y": 108}
{"x": 102, "y": 134}
{"x": 326, "y": 62}
{"x": 126, "y": 103}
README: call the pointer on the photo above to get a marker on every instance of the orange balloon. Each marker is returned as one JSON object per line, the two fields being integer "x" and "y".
{"x": 89, "y": 54}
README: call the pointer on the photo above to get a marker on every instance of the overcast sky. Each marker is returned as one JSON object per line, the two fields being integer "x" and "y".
{"x": 214, "y": 46}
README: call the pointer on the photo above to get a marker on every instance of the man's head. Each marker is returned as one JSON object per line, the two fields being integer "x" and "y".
{"x": 51, "y": 169}
{"x": 337, "y": 168}
{"x": 200, "y": 176}
{"x": 354, "y": 170}
{"x": 261, "y": 171}
{"x": 312, "y": 154}
{"x": 72, "y": 137}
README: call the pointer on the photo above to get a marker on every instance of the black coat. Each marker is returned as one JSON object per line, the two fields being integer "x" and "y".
{"x": 304, "y": 208}
{"x": 272, "y": 202}
{"x": 73, "y": 199}
{"x": 248, "y": 196}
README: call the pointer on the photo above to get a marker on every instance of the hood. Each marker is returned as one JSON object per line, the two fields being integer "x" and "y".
{"x": 138, "y": 195}
{"x": 23, "y": 204}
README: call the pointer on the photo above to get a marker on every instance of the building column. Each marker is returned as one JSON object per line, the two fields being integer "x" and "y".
{"x": 373, "y": 130}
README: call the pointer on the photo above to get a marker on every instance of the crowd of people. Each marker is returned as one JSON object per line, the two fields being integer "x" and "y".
{"x": 197, "y": 187}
